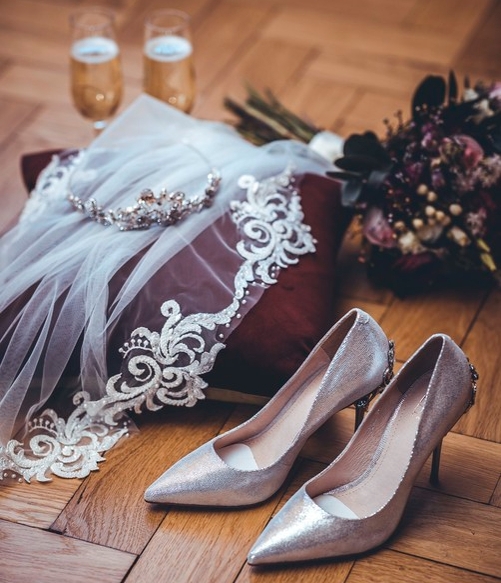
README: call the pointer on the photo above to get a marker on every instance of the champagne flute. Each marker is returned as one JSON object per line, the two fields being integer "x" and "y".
{"x": 169, "y": 73}
{"x": 96, "y": 73}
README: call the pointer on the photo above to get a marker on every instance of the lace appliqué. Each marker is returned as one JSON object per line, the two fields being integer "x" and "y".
{"x": 53, "y": 178}
{"x": 165, "y": 368}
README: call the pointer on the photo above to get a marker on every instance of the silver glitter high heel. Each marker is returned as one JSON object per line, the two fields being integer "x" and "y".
{"x": 356, "y": 503}
{"x": 249, "y": 463}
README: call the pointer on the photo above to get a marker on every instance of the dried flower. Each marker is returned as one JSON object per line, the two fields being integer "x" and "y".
{"x": 377, "y": 230}
{"x": 429, "y": 193}
{"x": 442, "y": 194}
{"x": 409, "y": 243}
{"x": 458, "y": 236}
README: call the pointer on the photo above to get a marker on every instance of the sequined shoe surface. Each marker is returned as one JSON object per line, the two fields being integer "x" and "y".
{"x": 355, "y": 504}
{"x": 249, "y": 463}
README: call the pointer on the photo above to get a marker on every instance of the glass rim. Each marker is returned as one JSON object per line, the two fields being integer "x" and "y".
{"x": 98, "y": 10}
{"x": 183, "y": 18}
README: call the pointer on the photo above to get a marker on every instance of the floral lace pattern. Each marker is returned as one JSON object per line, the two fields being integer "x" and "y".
{"x": 165, "y": 367}
{"x": 54, "y": 177}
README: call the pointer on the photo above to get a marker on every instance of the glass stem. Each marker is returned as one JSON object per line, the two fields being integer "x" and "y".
{"x": 99, "y": 126}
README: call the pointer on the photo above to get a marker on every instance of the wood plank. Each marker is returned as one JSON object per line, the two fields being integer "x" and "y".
{"x": 370, "y": 109}
{"x": 36, "y": 504}
{"x": 13, "y": 115}
{"x": 446, "y": 311}
{"x": 482, "y": 345}
{"x": 411, "y": 42}
{"x": 132, "y": 23}
{"x": 45, "y": 18}
{"x": 12, "y": 191}
{"x": 30, "y": 554}
{"x": 496, "y": 497}
{"x": 459, "y": 17}
{"x": 357, "y": 69}
{"x": 30, "y": 83}
{"x": 201, "y": 545}
{"x": 320, "y": 572}
{"x": 234, "y": 25}
{"x": 321, "y": 101}
{"x": 376, "y": 310}
{"x": 389, "y": 565}
{"x": 57, "y": 126}
{"x": 465, "y": 534}
{"x": 109, "y": 508}
{"x": 353, "y": 281}
{"x": 481, "y": 52}
{"x": 269, "y": 64}
{"x": 51, "y": 49}
{"x": 388, "y": 11}
{"x": 469, "y": 468}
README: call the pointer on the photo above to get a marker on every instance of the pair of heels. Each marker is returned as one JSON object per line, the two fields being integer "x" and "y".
{"x": 355, "y": 504}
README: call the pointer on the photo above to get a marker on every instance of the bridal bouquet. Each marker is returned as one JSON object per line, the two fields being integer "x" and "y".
{"x": 428, "y": 195}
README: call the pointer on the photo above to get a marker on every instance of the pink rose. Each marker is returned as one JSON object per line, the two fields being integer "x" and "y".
{"x": 377, "y": 230}
{"x": 473, "y": 151}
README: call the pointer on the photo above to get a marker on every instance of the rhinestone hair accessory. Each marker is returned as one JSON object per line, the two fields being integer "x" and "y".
{"x": 163, "y": 209}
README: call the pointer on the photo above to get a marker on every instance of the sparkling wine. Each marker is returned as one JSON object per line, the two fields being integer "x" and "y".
{"x": 169, "y": 72}
{"x": 96, "y": 77}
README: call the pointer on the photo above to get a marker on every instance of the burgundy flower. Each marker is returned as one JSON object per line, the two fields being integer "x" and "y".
{"x": 413, "y": 263}
{"x": 377, "y": 230}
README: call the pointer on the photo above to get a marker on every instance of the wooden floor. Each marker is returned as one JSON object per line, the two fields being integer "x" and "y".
{"x": 347, "y": 65}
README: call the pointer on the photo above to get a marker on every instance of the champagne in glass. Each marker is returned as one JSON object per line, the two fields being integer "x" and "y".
{"x": 169, "y": 72}
{"x": 96, "y": 74}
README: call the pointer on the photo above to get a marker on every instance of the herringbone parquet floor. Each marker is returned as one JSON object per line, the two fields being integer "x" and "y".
{"x": 347, "y": 66}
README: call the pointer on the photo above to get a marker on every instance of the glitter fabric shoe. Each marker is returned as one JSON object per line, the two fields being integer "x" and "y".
{"x": 356, "y": 503}
{"x": 249, "y": 463}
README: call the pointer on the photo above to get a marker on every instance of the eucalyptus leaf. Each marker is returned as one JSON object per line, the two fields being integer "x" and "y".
{"x": 350, "y": 192}
{"x": 366, "y": 146}
{"x": 453, "y": 87}
{"x": 360, "y": 164}
{"x": 430, "y": 92}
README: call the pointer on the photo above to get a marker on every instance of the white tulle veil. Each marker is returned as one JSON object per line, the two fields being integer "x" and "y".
{"x": 73, "y": 291}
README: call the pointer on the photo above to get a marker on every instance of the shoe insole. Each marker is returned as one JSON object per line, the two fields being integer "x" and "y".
{"x": 238, "y": 455}
{"x": 334, "y": 506}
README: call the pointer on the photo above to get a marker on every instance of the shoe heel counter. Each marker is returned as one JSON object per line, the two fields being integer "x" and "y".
{"x": 382, "y": 355}
{"x": 462, "y": 388}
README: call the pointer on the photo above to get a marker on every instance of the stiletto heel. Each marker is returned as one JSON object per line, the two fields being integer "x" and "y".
{"x": 249, "y": 463}
{"x": 435, "y": 459}
{"x": 435, "y": 464}
{"x": 356, "y": 503}
{"x": 362, "y": 405}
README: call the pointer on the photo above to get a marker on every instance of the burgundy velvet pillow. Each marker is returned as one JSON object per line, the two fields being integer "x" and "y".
{"x": 279, "y": 332}
{"x": 293, "y": 314}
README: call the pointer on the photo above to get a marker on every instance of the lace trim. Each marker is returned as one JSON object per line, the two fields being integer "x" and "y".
{"x": 54, "y": 176}
{"x": 165, "y": 368}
